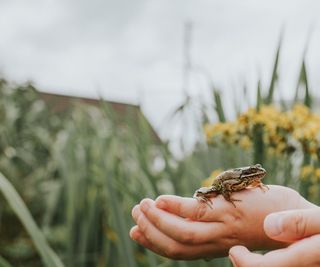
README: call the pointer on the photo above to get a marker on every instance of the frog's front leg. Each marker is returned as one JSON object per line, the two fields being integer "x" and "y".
{"x": 204, "y": 199}
{"x": 204, "y": 195}
{"x": 207, "y": 201}
{"x": 227, "y": 196}
{"x": 261, "y": 185}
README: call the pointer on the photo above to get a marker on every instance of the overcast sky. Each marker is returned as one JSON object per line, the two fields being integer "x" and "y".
{"x": 132, "y": 51}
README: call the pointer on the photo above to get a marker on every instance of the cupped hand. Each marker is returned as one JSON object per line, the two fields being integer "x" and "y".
{"x": 183, "y": 228}
{"x": 299, "y": 226}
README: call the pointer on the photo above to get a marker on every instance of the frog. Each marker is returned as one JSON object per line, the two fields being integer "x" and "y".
{"x": 230, "y": 181}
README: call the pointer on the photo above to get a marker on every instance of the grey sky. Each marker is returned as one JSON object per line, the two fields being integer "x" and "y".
{"x": 131, "y": 51}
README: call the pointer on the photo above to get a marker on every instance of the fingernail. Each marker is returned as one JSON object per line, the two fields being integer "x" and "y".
{"x": 160, "y": 204}
{"x": 135, "y": 235}
{"x": 273, "y": 224}
{"x": 145, "y": 205}
{"x": 135, "y": 211}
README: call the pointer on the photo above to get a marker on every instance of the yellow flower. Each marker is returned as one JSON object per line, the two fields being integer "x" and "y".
{"x": 281, "y": 146}
{"x": 111, "y": 235}
{"x": 306, "y": 171}
{"x": 300, "y": 110}
{"x": 314, "y": 179}
{"x": 259, "y": 118}
{"x": 208, "y": 130}
{"x": 271, "y": 151}
{"x": 297, "y": 129}
{"x": 300, "y": 115}
{"x": 314, "y": 191}
{"x": 210, "y": 179}
{"x": 313, "y": 147}
{"x": 297, "y": 133}
{"x": 140, "y": 256}
{"x": 228, "y": 128}
{"x": 245, "y": 142}
{"x": 317, "y": 172}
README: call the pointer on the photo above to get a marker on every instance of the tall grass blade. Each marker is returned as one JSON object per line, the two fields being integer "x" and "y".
{"x": 259, "y": 97}
{"x": 274, "y": 77}
{"x": 218, "y": 105}
{"x": 48, "y": 256}
{"x": 303, "y": 79}
{"x": 116, "y": 212}
{"x": 258, "y": 145}
{"x": 4, "y": 263}
{"x": 303, "y": 83}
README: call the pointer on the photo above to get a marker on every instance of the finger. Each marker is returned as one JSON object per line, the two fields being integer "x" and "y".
{"x": 188, "y": 207}
{"x": 138, "y": 236}
{"x": 135, "y": 212}
{"x": 292, "y": 225}
{"x": 241, "y": 257}
{"x": 171, "y": 248}
{"x": 182, "y": 230}
{"x": 301, "y": 253}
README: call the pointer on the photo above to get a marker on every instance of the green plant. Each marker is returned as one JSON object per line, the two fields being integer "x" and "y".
{"x": 80, "y": 172}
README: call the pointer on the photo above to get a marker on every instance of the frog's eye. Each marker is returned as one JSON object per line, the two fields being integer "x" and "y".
{"x": 258, "y": 166}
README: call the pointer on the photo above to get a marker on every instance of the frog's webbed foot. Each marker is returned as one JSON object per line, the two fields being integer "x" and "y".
{"x": 263, "y": 187}
{"x": 204, "y": 200}
{"x": 232, "y": 201}
{"x": 227, "y": 196}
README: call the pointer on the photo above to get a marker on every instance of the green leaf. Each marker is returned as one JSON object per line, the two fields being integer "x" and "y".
{"x": 303, "y": 83}
{"x": 259, "y": 98}
{"x": 48, "y": 256}
{"x": 258, "y": 144}
{"x": 274, "y": 77}
{"x": 4, "y": 263}
{"x": 117, "y": 213}
{"x": 218, "y": 105}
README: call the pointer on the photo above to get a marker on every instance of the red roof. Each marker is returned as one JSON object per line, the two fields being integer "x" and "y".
{"x": 61, "y": 103}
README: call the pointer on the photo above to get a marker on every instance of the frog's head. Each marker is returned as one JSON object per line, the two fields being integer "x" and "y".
{"x": 255, "y": 172}
{"x": 257, "y": 168}
{"x": 202, "y": 191}
{"x": 205, "y": 192}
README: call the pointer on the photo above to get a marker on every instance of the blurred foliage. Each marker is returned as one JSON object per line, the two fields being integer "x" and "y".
{"x": 27, "y": 133}
{"x": 81, "y": 171}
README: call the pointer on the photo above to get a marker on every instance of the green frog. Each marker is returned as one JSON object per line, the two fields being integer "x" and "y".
{"x": 230, "y": 181}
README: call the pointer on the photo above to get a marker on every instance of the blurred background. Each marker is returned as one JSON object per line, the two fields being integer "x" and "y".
{"x": 104, "y": 103}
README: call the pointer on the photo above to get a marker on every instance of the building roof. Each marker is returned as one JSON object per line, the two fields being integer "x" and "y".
{"x": 62, "y": 103}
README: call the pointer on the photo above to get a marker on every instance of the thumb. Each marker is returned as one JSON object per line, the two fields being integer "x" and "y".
{"x": 292, "y": 225}
{"x": 240, "y": 256}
